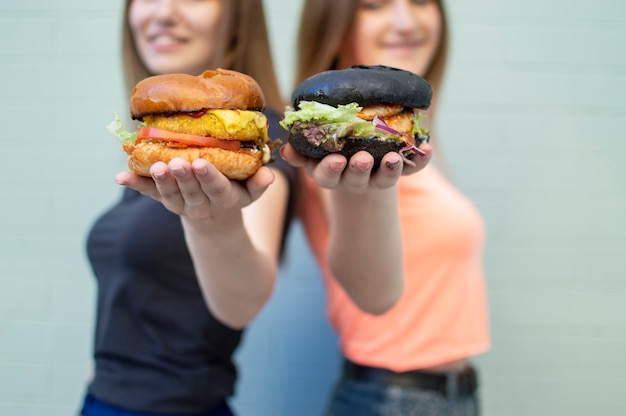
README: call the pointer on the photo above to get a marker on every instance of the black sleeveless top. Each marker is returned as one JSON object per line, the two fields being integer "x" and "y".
{"x": 157, "y": 348}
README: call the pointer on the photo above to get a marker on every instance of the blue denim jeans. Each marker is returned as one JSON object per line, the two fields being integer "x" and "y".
{"x": 95, "y": 407}
{"x": 352, "y": 398}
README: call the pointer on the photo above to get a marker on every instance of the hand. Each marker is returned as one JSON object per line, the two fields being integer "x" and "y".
{"x": 336, "y": 172}
{"x": 197, "y": 190}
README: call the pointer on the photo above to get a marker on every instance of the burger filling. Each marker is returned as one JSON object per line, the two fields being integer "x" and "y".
{"x": 227, "y": 129}
{"x": 221, "y": 124}
{"x": 329, "y": 127}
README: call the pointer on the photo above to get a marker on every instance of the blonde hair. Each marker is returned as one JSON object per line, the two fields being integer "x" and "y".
{"x": 243, "y": 46}
{"x": 324, "y": 24}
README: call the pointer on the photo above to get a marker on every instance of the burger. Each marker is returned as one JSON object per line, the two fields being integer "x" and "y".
{"x": 215, "y": 116}
{"x": 371, "y": 108}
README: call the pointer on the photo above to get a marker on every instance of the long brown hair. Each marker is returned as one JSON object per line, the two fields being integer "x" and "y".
{"x": 324, "y": 24}
{"x": 243, "y": 46}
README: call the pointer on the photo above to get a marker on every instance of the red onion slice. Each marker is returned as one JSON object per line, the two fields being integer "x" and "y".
{"x": 381, "y": 125}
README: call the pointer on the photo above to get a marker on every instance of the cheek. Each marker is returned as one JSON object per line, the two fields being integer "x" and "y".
{"x": 360, "y": 46}
{"x": 206, "y": 30}
{"x": 136, "y": 17}
{"x": 205, "y": 19}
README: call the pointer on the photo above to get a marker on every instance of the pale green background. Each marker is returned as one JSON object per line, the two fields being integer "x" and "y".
{"x": 532, "y": 124}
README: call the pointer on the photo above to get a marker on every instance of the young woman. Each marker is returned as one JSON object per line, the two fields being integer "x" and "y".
{"x": 412, "y": 358}
{"x": 186, "y": 258}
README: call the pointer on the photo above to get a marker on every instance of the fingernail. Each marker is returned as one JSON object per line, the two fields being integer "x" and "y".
{"x": 179, "y": 172}
{"x": 202, "y": 171}
{"x": 336, "y": 165}
{"x": 362, "y": 166}
{"x": 420, "y": 151}
{"x": 393, "y": 165}
{"x": 158, "y": 175}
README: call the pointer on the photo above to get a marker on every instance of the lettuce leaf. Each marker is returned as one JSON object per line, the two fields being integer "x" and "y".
{"x": 117, "y": 128}
{"x": 340, "y": 121}
{"x": 322, "y": 114}
{"x": 419, "y": 131}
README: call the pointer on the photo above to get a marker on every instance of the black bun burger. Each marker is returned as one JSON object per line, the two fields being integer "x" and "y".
{"x": 371, "y": 108}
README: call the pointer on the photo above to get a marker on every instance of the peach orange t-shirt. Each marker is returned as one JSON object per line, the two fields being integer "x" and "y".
{"x": 442, "y": 314}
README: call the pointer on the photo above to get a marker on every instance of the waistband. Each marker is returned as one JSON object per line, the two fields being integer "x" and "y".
{"x": 451, "y": 384}
{"x": 95, "y": 407}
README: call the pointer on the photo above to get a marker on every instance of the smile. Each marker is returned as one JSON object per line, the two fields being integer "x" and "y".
{"x": 165, "y": 41}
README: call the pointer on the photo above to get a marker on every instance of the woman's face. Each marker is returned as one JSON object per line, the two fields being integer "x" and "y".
{"x": 175, "y": 36}
{"x": 404, "y": 34}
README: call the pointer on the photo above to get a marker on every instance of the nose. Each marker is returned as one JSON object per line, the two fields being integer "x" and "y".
{"x": 165, "y": 11}
{"x": 403, "y": 19}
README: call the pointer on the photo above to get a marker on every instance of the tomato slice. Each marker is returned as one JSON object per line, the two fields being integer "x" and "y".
{"x": 186, "y": 139}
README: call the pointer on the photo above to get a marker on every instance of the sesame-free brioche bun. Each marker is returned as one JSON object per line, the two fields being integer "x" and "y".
{"x": 235, "y": 165}
{"x": 219, "y": 88}
{"x": 214, "y": 116}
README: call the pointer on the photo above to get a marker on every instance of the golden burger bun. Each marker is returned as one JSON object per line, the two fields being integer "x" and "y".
{"x": 214, "y": 116}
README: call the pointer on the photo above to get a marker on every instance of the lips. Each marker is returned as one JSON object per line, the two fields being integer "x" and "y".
{"x": 165, "y": 41}
{"x": 405, "y": 44}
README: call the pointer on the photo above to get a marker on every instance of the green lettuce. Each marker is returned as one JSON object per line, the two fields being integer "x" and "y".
{"x": 342, "y": 121}
{"x": 117, "y": 128}
{"x": 419, "y": 131}
{"x": 322, "y": 114}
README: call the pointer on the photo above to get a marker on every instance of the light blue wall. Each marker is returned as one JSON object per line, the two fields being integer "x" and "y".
{"x": 531, "y": 124}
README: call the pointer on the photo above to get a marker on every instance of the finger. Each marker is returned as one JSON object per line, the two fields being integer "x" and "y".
{"x": 291, "y": 156}
{"x": 167, "y": 187}
{"x": 259, "y": 182}
{"x": 356, "y": 177}
{"x": 419, "y": 161}
{"x": 389, "y": 171}
{"x": 328, "y": 171}
{"x": 295, "y": 159}
{"x": 220, "y": 191}
{"x": 141, "y": 184}
{"x": 188, "y": 185}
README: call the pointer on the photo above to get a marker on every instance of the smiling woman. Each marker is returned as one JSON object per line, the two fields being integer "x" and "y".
{"x": 176, "y": 36}
{"x": 401, "y": 34}
{"x": 165, "y": 45}
{"x": 412, "y": 358}
{"x": 189, "y": 254}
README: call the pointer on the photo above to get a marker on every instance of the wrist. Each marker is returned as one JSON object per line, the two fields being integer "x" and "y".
{"x": 373, "y": 196}
{"x": 217, "y": 225}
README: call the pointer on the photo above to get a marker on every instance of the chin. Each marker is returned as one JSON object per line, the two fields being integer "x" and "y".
{"x": 170, "y": 64}
{"x": 407, "y": 62}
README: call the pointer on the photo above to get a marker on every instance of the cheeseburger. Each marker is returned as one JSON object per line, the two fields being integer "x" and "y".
{"x": 214, "y": 116}
{"x": 371, "y": 108}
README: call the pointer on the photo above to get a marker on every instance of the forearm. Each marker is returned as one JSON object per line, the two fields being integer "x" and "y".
{"x": 236, "y": 278}
{"x": 365, "y": 247}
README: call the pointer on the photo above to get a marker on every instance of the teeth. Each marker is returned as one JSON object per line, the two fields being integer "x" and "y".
{"x": 164, "y": 40}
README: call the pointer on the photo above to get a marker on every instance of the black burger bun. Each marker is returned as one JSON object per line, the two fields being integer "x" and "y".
{"x": 365, "y": 85}
{"x": 378, "y": 87}
{"x": 377, "y": 148}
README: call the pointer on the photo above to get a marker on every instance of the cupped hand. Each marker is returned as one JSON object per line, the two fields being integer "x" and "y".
{"x": 355, "y": 175}
{"x": 197, "y": 190}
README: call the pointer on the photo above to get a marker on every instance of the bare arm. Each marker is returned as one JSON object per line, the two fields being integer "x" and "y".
{"x": 365, "y": 247}
{"x": 234, "y": 250}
